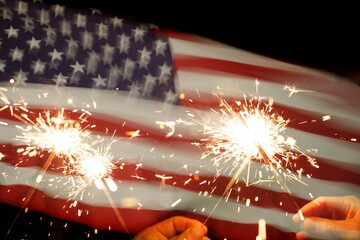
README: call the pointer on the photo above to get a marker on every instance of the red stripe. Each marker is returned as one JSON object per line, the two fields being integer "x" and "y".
{"x": 105, "y": 218}
{"x": 300, "y": 119}
{"x": 318, "y": 83}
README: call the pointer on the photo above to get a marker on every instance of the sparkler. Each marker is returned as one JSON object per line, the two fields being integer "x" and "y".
{"x": 63, "y": 136}
{"x": 70, "y": 140}
{"x": 244, "y": 133}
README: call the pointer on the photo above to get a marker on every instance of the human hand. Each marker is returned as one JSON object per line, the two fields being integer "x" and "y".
{"x": 330, "y": 218}
{"x": 175, "y": 228}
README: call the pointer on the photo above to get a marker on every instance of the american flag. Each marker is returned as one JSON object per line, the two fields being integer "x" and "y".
{"x": 137, "y": 81}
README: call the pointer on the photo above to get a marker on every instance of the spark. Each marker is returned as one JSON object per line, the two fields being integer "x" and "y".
{"x": 163, "y": 178}
{"x": 248, "y": 132}
{"x": 170, "y": 125}
{"x": 93, "y": 166}
{"x": 292, "y": 89}
{"x": 12, "y": 106}
{"x": 176, "y": 202}
{"x": 53, "y": 133}
{"x": 86, "y": 160}
{"x": 326, "y": 117}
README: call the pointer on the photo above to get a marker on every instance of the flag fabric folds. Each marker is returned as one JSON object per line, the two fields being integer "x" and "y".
{"x": 139, "y": 87}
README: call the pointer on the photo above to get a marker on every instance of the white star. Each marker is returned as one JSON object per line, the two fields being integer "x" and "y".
{"x": 124, "y": 43}
{"x": 12, "y": 32}
{"x": 7, "y": 13}
{"x": 171, "y": 97}
{"x": 65, "y": 28}
{"x": 139, "y": 34}
{"x": 21, "y": 77}
{"x": 92, "y": 63}
{"x": 33, "y": 43}
{"x": 38, "y": 67}
{"x": 99, "y": 81}
{"x": 165, "y": 73}
{"x": 103, "y": 31}
{"x": 129, "y": 69}
{"x": 160, "y": 47}
{"x": 29, "y": 24}
{"x": 78, "y": 67}
{"x": 74, "y": 79}
{"x": 44, "y": 17}
{"x": 152, "y": 26}
{"x": 87, "y": 40}
{"x": 135, "y": 90}
{"x": 71, "y": 49}
{"x": 117, "y": 22}
{"x": 60, "y": 80}
{"x": 2, "y": 65}
{"x": 144, "y": 58}
{"x": 54, "y": 65}
{"x": 95, "y": 11}
{"x": 165, "y": 69}
{"x": 150, "y": 82}
{"x": 113, "y": 76}
{"x": 22, "y": 8}
{"x": 55, "y": 55}
{"x": 50, "y": 36}
{"x": 59, "y": 10}
{"x": 16, "y": 54}
{"x": 108, "y": 53}
{"x": 81, "y": 20}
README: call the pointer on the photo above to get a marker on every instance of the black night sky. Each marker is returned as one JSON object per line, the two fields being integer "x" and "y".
{"x": 321, "y": 37}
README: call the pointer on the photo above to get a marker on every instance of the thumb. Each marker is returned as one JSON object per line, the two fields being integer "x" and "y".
{"x": 320, "y": 228}
{"x": 194, "y": 233}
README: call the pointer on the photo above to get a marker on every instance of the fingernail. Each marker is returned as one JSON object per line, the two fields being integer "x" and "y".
{"x": 196, "y": 231}
{"x": 204, "y": 228}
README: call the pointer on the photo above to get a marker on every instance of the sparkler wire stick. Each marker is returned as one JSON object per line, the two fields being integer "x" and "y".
{"x": 31, "y": 191}
{"x": 116, "y": 211}
{"x": 227, "y": 189}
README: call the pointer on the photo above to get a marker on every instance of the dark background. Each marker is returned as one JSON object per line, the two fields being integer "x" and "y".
{"x": 320, "y": 36}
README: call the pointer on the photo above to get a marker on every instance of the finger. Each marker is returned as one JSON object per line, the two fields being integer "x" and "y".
{"x": 178, "y": 224}
{"x": 322, "y": 206}
{"x": 193, "y": 233}
{"x": 148, "y": 234}
{"x": 324, "y": 228}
